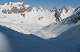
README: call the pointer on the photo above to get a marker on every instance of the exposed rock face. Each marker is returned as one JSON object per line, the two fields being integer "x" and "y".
{"x": 41, "y": 22}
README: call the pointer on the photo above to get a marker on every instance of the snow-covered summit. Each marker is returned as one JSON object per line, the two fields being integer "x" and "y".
{"x": 39, "y": 21}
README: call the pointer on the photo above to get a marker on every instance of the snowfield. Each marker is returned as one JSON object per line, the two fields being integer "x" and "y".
{"x": 38, "y": 21}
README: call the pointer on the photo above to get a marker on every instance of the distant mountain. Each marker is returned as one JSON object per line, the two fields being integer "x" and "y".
{"x": 42, "y": 22}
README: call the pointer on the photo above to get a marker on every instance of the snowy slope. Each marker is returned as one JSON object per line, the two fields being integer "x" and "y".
{"x": 38, "y": 21}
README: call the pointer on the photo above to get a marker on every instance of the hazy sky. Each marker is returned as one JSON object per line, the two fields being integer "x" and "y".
{"x": 50, "y": 3}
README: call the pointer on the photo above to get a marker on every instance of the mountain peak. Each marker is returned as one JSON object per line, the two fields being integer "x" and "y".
{"x": 38, "y": 20}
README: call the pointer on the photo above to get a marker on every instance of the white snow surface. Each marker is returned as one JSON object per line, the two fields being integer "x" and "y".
{"x": 39, "y": 21}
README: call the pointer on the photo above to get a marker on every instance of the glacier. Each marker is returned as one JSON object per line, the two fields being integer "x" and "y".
{"x": 39, "y": 21}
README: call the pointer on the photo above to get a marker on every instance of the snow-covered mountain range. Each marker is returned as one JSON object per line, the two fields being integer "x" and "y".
{"x": 39, "y": 21}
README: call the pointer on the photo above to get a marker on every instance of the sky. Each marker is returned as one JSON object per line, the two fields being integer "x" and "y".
{"x": 49, "y": 3}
